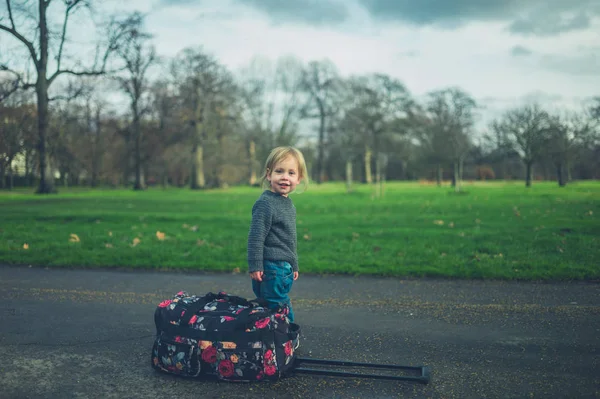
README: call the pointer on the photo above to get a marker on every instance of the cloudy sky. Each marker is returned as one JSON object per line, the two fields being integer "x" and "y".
{"x": 502, "y": 52}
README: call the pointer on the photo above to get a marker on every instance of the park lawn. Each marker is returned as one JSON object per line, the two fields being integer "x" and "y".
{"x": 495, "y": 230}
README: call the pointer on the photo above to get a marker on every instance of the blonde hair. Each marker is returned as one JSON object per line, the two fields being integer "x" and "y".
{"x": 277, "y": 155}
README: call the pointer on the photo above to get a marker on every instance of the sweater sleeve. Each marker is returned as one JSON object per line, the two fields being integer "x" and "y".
{"x": 259, "y": 228}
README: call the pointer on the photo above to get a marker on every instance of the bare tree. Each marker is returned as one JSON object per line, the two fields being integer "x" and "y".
{"x": 170, "y": 128}
{"x": 138, "y": 56}
{"x": 451, "y": 112}
{"x": 271, "y": 105}
{"x": 321, "y": 83}
{"x": 45, "y": 43}
{"x": 567, "y": 133}
{"x": 379, "y": 107}
{"x": 527, "y": 129}
{"x": 201, "y": 78}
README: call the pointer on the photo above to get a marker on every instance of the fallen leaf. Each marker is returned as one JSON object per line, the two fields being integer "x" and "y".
{"x": 306, "y": 237}
{"x": 110, "y": 233}
{"x": 200, "y": 243}
{"x": 194, "y": 228}
{"x": 135, "y": 242}
{"x": 25, "y": 246}
{"x": 74, "y": 238}
{"x": 560, "y": 249}
{"x": 451, "y": 225}
{"x": 462, "y": 234}
{"x": 236, "y": 270}
{"x": 108, "y": 245}
{"x": 160, "y": 235}
{"x": 590, "y": 213}
{"x": 185, "y": 226}
{"x": 355, "y": 236}
{"x": 438, "y": 222}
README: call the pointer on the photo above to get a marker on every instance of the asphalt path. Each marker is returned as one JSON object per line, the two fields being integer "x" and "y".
{"x": 88, "y": 334}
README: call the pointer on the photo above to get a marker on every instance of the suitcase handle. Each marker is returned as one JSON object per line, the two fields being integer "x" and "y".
{"x": 424, "y": 372}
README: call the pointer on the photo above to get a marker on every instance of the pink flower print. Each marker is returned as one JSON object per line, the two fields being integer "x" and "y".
{"x": 270, "y": 370}
{"x": 288, "y": 348}
{"x": 260, "y": 375}
{"x": 180, "y": 293}
{"x": 164, "y": 303}
{"x": 269, "y": 355}
{"x": 178, "y": 339}
{"x": 209, "y": 355}
{"x": 193, "y": 319}
{"x": 227, "y": 318}
{"x": 226, "y": 368}
{"x": 262, "y": 323}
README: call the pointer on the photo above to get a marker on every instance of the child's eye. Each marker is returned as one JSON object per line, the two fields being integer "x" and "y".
{"x": 292, "y": 172}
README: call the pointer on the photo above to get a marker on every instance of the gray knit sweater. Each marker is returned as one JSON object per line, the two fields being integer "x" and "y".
{"x": 272, "y": 233}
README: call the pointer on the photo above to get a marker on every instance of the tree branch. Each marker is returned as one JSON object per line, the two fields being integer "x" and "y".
{"x": 16, "y": 84}
{"x": 64, "y": 31}
{"x": 18, "y": 36}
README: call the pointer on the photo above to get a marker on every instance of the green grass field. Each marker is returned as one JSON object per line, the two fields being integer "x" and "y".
{"x": 492, "y": 230}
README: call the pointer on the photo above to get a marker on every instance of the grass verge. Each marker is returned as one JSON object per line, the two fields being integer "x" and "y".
{"x": 496, "y": 230}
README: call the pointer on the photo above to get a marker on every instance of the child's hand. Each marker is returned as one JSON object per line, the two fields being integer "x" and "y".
{"x": 256, "y": 275}
{"x": 296, "y": 276}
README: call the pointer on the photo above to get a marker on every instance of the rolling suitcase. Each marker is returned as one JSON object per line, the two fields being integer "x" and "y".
{"x": 234, "y": 339}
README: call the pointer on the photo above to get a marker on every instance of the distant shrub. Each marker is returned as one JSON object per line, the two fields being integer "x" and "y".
{"x": 485, "y": 172}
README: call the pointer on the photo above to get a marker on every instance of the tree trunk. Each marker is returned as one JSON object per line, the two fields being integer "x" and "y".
{"x": 321, "y": 151}
{"x": 252, "y": 162}
{"x": 198, "y": 180}
{"x": 456, "y": 177}
{"x": 377, "y": 177}
{"x": 28, "y": 169}
{"x": 438, "y": 175}
{"x": 11, "y": 176}
{"x": 560, "y": 177}
{"x": 528, "y": 173}
{"x": 368, "y": 175}
{"x": 220, "y": 157}
{"x": 348, "y": 175}
{"x": 46, "y": 184}
{"x": 96, "y": 151}
{"x": 137, "y": 150}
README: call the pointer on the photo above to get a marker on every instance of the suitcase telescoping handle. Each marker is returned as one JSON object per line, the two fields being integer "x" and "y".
{"x": 423, "y": 376}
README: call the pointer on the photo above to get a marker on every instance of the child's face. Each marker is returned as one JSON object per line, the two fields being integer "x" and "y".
{"x": 285, "y": 176}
